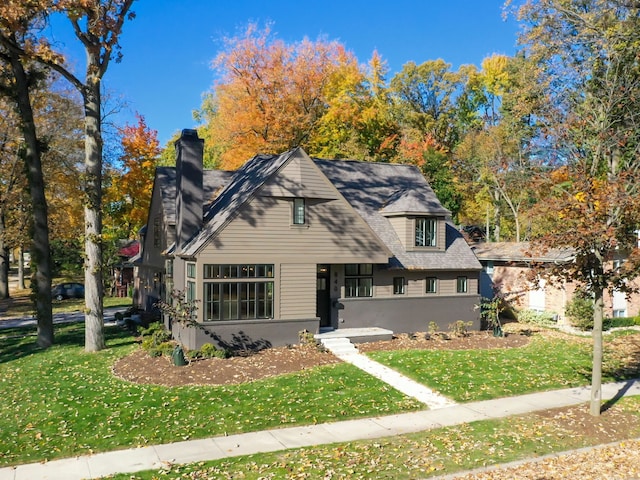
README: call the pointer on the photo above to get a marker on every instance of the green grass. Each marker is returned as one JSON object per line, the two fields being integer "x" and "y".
{"x": 472, "y": 375}
{"x": 62, "y": 401}
{"x": 436, "y": 452}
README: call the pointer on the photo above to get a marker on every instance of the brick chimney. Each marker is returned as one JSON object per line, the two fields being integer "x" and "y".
{"x": 189, "y": 195}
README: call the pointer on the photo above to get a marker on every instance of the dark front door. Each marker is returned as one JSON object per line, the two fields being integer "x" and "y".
{"x": 323, "y": 300}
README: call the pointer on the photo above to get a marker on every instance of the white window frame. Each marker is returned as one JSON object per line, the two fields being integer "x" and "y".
{"x": 426, "y": 232}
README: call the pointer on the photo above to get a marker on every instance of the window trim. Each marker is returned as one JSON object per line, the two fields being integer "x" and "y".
{"x": 299, "y": 212}
{"x": 435, "y": 286}
{"x": 425, "y": 237}
{"x": 465, "y": 285}
{"x": 399, "y": 286}
{"x": 360, "y": 278}
{"x": 244, "y": 289}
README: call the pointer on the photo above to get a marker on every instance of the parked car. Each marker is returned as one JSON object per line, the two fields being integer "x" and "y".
{"x": 68, "y": 290}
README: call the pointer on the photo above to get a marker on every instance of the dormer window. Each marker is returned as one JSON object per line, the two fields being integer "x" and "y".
{"x": 425, "y": 232}
{"x": 298, "y": 211}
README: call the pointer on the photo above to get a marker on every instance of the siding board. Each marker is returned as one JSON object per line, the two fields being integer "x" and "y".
{"x": 297, "y": 291}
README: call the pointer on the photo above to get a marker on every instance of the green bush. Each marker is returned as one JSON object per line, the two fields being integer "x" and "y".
{"x": 579, "y": 311}
{"x": 208, "y": 350}
{"x": 164, "y": 349}
{"x": 156, "y": 340}
{"x": 620, "y": 322}
{"x": 534, "y": 317}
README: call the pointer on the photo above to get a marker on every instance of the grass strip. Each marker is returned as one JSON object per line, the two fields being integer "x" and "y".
{"x": 421, "y": 455}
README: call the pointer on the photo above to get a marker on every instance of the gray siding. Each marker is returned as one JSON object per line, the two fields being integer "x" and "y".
{"x": 297, "y": 291}
{"x": 405, "y": 229}
{"x": 300, "y": 178}
{"x": 416, "y": 283}
{"x": 263, "y": 231}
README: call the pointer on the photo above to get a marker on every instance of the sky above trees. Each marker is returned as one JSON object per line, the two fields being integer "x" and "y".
{"x": 169, "y": 47}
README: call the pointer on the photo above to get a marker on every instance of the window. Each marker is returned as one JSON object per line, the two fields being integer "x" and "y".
{"x": 398, "y": 285}
{"x": 432, "y": 285}
{"x": 426, "y": 232}
{"x": 191, "y": 291}
{"x": 298, "y": 211}
{"x": 238, "y": 292}
{"x": 358, "y": 281}
{"x": 461, "y": 285}
{"x": 620, "y": 313}
{"x": 191, "y": 270}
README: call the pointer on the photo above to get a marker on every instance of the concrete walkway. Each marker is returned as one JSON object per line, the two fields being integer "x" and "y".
{"x": 347, "y": 352}
{"x": 154, "y": 457}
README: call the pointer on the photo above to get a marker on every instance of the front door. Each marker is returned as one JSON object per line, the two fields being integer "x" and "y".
{"x": 323, "y": 300}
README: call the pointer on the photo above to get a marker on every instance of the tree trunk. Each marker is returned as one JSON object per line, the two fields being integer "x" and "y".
{"x": 596, "y": 373}
{"x": 40, "y": 252}
{"x": 4, "y": 261}
{"x": 94, "y": 289}
{"x": 21, "y": 284}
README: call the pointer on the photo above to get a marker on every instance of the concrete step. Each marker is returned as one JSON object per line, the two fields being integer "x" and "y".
{"x": 339, "y": 346}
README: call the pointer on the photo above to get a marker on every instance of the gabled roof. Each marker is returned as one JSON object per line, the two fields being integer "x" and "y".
{"x": 521, "y": 252}
{"x": 242, "y": 187}
{"x": 408, "y": 201}
{"x": 373, "y": 190}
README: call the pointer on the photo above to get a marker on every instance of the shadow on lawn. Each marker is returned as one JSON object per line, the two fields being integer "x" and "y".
{"x": 20, "y": 342}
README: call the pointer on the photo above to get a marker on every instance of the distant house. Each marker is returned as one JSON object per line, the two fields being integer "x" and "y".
{"x": 507, "y": 268}
{"x": 290, "y": 243}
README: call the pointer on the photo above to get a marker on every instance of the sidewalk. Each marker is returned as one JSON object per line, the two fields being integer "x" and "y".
{"x": 153, "y": 457}
{"x": 58, "y": 318}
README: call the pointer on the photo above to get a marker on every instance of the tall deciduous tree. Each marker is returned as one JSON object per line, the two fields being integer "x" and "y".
{"x": 15, "y": 35}
{"x": 270, "y": 95}
{"x": 97, "y": 25}
{"x": 588, "y": 51}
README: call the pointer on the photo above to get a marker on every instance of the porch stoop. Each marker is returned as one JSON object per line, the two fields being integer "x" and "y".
{"x": 355, "y": 335}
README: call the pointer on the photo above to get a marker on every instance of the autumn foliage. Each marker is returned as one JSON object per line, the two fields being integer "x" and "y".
{"x": 129, "y": 194}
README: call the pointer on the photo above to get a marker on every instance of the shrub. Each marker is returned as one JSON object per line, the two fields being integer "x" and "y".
{"x": 534, "y": 317}
{"x": 209, "y": 350}
{"x": 579, "y": 311}
{"x": 156, "y": 340}
{"x": 306, "y": 337}
{"x": 460, "y": 328}
{"x": 620, "y": 322}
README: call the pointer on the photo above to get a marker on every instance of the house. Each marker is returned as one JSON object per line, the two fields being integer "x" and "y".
{"x": 290, "y": 243}
{"x": 507, "y": 269}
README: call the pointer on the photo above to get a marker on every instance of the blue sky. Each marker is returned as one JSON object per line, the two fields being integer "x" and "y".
{"x": 169, "y": 46}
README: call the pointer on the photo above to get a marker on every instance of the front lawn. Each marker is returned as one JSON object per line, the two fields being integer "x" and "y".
{"x": 472, "y": 375}
{"x": 63, "y": 402}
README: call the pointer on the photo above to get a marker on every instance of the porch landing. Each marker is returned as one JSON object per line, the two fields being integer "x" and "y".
{"x": 356, "y": 335}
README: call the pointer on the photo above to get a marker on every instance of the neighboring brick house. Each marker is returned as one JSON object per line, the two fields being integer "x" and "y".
{"x": 507, "y": 265}
{"x": 290, "y": 243}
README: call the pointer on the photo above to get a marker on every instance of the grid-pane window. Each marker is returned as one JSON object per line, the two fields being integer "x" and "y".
{"x": 398, "y": 285}
{"x": 426, "y": 232}
{"x": 461, "y": 285}
{"x": 298, "y": 211}
{"x": 432, "y": 285}
{"x": 238, "y": 292}
{"x": 358, "y": 280}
